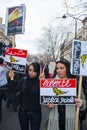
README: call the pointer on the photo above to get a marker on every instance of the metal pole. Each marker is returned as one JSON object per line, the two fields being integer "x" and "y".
{"x": 75, "y": 28}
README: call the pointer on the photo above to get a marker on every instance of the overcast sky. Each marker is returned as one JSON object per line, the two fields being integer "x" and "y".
{"x": 39, "y": 13}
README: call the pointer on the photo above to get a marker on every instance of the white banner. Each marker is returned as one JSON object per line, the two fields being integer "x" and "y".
{"x": 79, "y": 58}
{"x": 16, "y": 59}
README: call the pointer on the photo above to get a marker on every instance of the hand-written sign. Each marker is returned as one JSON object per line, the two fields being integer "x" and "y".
{"x": 79, "y": 58}
{"x": 16, "y": 59}
{"x": 57, "y": 91}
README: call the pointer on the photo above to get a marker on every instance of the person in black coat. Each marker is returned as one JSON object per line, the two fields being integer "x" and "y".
{"x": 11, "y": 96}
{"x": 29, "y": 99}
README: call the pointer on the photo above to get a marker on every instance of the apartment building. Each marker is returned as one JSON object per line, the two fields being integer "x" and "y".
{"x": 66, "y": 47}
{"x": 5, "y": 39}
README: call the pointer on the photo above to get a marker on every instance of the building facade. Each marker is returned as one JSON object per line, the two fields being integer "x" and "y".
{"x": 66, "y": 47}
{"x": 6, "y": 39}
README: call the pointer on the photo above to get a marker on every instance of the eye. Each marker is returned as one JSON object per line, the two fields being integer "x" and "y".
{"x": 30, "y": 69}
{"x": 61, "y": 68}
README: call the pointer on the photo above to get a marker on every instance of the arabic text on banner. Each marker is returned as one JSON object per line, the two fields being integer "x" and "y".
{"x": 79, "y": 58}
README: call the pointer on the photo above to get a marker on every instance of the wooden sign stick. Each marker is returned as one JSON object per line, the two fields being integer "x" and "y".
{"x": 77, "y": 109}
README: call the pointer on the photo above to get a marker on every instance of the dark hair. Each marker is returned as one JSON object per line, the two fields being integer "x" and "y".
{"x": 1, "y": 60}
{"x": 36, "y": 67}
{"x": 67, "y": 65}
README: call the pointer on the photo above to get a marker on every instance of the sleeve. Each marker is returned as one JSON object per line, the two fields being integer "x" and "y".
{"x": 20, "y": 86}
{"x": 83, "y": 100}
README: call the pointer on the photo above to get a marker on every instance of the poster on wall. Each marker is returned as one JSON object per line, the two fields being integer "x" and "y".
{"x": 57, "y": 91}
{"x": 15, "y": 20}
{"x": 79, "y": 58}
{"x": 16, "y": 59}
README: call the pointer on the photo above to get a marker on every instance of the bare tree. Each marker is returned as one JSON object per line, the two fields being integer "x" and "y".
{"x": 50, "y": 43}
{"x": 76, "y": 9}
{"x": 31, "y": 58}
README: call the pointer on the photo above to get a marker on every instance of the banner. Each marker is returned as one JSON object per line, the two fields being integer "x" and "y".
{"x": 57, "y": 91}
{"x": 15, "y": 20}
{"x": 79, "y": 58}
{"x": 16, "y": 59}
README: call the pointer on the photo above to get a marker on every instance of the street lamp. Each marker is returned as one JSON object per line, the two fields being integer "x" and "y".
{"x": 70, "y": 15}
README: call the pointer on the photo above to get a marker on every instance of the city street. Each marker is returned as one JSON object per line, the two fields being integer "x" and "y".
{"x": 10, "y": 120}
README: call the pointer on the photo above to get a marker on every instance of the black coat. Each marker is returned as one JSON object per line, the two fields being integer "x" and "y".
{"x": 29, "y": 94}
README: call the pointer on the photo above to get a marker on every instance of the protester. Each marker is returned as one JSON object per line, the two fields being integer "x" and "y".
{"x": 46, "y": 71}
{"x": 3, "y": 84}
{"x": 59, "y": 121}
{"x": 85, "y": 89}
{"x": 3, "y": 79}
{"x": 12, "y": 83}
{"x": 29, "y": 99}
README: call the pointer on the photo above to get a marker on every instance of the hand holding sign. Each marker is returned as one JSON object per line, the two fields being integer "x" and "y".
{"x": 78, "y": 102}
{"x": 51, "y": 105}
{"x": 42, "y": 74}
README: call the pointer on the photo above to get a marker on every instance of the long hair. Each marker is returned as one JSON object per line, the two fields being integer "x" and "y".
{"x": 36, "y": 67}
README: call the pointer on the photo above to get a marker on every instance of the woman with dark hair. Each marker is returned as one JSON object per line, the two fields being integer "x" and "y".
{"x": 64, "y": 114}
{"x": 29, "y": 93}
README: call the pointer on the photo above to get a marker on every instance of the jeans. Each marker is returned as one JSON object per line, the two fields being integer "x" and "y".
{"x": 29, "y": 119}
{"x": 11, "y": 99}
{"x": 3, "y": 92}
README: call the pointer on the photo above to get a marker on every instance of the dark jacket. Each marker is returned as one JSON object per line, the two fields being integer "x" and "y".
{"x": 11, "y": 85}
{"x": 29, "y": 95}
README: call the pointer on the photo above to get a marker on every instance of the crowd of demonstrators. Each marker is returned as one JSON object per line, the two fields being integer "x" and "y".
{"x": 11, "y": 101}
{"x": 8, "y": 82}
{"x": 59, "y": 122}
{"x": 28, "y": 93}
{"x": 24, "y": 93}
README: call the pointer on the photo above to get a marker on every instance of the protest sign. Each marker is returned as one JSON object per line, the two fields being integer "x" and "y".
{"x": 57, "y": 91}
{"x": 79, "y": 67}
{"x": 79, "y": 58}
{"x": 15, "y": 20}
{"x": 16, "y": 59}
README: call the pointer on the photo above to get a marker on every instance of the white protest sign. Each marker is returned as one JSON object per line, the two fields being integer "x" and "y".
{"x": 79, "y": 58}
{"x": 57, "y": 91}
{"x": 16, "y": 59}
